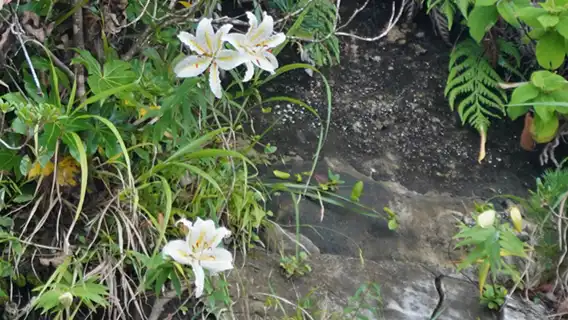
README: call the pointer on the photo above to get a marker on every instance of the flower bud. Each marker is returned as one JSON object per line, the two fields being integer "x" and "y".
{"x": 486, "y": 219}
{"x": 66, "y": 299}
{"x": 516, "y": 217}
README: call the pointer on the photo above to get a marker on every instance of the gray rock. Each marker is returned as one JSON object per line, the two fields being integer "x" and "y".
{"x": 281, "y": 241}
{"x": 407, "y": 291}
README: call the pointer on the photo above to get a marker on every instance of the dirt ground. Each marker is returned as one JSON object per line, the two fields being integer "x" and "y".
{"x": 390, "y": 119}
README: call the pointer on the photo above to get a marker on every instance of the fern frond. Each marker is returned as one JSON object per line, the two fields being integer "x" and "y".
{"x": 473, "y": 81}
{"x": 411, "y": 9}
{"x": 440, "y": 21}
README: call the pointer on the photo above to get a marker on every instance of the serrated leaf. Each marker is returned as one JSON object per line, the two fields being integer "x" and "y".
{"x": 115, "y": 73}
{"x": 18, "y": 126}
{"x": 9, "y": 159}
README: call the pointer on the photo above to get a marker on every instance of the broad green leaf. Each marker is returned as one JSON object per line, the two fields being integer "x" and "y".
{"x": 547, "y": 81}
{"x": 23, "y": 198}
{"x": 550, "y": 51}
{"x": 544, "y": 131}
{"x": 86, "y": 58}
{"x": 463, "y": 6}
{"x": 507, "y": 10}
{"x": 545, "y": 112}
{"x": 548, "y": 20}
{"x": 357, "y": 191}
{"x": 281, "y": 174}
{"x": 562, "y": 27}
{"x": 484, "y": 3}
{"x": 524, "y": 93}
{"x": 18, "y": 126}
{"x": 560, "y": 96}
{"x": 529, "y": 15}
{"x": 480, "y": 20}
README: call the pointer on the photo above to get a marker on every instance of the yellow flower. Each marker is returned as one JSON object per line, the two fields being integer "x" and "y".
{"x": 142, "y": 112}
{"x": 516, "y": 217}
{"x": 67, "y": 168}
{"x": 36, "y": 170}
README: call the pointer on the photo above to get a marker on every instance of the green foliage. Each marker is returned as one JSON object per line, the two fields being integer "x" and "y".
{"x": 493, "y": 296}
{"x": 486, "y": 245}
{"x": 549, "y": 27}
{"x": 473, "y": 81}
{"x": 296, "y": 265}
{"x": 543, "y": 90}
{"x": 314, "y": 30}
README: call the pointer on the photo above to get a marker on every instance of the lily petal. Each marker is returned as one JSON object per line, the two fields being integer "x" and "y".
{"x": 250, "y": 71}
{"x": 192, "y": 66}
{"x": 229, "y": 59}
{"x": 191, "y": 41}
{"x": 216, "y": 260}
{"x": 260, "y": 60}
{"x": 215, "y": 81}
{"x": 179, "y": 251}
{"x": 218, "y": 236}
{"x": 253, "y": 22}
{"x": 237, "y": 40}
{"x": 203, "y": 229}
{"x": 263, "y": 31}
{"x": 199, "y": 279}
{"x": 270, "y": 57}
{"x": 274, "y": 40}
{"x": 220, "y": 36}
{"x": 517, "y": 218}
{"x": 205, "y": 35}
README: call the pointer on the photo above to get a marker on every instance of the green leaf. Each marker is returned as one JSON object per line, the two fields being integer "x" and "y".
{"x": 9, "y": 159}
{"x": 49, "y": 136}
{"x": 19, "y": 126}
{"x": 562, "y": 27}
{"x": 357, "y": 191}
{"x": 507, "y": 10}
{"x": 281, "y": 174}
{"x": 545, "y": 112}
{"x": 116, "y": 73}
{"x": 392, "y": 224}
{"x": 480, "y": 20}
{"x": 23, "y": 198}
{"x": 529, "y": 15}
{"x": 550, "y": 51}
{"x": 484, "y": 3}
{"x": 25, "y": 165}
{"x": 544, "y": 131}
{"x": 547, "y": 81}
{"x": 521, "y": 94}
{"x": 86, "y": 58}
{"x": 548, "y": 20}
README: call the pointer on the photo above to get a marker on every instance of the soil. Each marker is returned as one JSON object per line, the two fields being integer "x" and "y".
{"x": 390, "y": 119}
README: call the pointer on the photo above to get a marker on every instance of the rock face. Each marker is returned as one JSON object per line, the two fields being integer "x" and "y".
{"x": 412, "y": 267}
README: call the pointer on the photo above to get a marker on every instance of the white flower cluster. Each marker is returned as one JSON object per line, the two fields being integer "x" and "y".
{"x": 252, "y": 49}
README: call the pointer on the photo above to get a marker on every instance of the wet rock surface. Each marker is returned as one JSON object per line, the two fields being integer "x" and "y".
{"x": 390, "y": 127}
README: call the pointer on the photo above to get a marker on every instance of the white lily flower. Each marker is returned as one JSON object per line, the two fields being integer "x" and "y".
{"x": 200, "y": 250}
{"x": 211, "y": 56}
{"x": 257, "y": 43}
{"x": 486, "y": 219}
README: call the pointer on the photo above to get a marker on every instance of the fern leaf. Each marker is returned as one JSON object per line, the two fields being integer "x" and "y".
{"x": 473, "y": 81}
{"x": 440, "y": 21}
{"x": 411, "y": 9}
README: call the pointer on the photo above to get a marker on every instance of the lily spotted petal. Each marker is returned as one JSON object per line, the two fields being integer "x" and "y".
{"x": 192, "y": 66}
